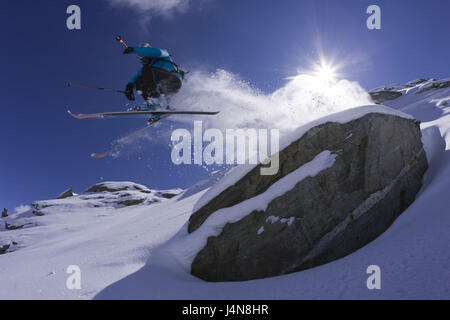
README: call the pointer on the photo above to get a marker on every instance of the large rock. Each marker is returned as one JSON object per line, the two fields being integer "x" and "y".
{"x": 378, "y": 170}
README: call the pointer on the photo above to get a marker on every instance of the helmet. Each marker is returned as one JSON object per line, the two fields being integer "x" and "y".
{"x": 145, "y": 45}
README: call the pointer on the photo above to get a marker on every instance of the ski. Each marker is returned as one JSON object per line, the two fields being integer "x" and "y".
{"x": 125, "y": 139}
{"x": 163, "y": 114}
{"x": 137, "y": 113}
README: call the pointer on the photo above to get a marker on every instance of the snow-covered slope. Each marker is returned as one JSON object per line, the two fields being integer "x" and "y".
{"x": 138, "y": 251}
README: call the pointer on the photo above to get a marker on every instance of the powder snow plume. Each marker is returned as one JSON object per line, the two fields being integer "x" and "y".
{"x": 303, "y": 99}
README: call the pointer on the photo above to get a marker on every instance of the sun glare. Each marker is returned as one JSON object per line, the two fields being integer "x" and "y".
{"x": 325, "y": 71}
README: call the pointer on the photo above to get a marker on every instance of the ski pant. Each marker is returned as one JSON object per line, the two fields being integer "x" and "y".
{"x": 155, "y": 81}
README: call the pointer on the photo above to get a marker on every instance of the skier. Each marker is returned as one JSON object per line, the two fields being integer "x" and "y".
{"x": 156, "y": 80}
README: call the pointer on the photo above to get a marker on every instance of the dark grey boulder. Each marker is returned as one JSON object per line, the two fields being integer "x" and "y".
{"x": 378, "y": 170}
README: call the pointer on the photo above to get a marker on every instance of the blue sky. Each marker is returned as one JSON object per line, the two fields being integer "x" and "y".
{"x": 44, "y": 151}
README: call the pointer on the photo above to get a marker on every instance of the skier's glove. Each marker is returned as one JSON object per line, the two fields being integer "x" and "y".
{"x": 128, "y": 50}
{"x": 129, "y": 93}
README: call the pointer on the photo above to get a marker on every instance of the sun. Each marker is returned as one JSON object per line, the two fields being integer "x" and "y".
{"x": 322, "y": 72}
{"x": 325, "y": 71}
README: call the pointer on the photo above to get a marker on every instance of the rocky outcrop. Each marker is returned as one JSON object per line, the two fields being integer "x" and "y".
{"x": 4, "y": 248}
{"x": 434, "y": 86}
{"x": 127, "y": 193}
{"x": 116, "y": 187}
{"x": 384, "y": 95}
{"x": 419, "y": 86}
{"x": 108, "y": 197}
{"x": 66, "y": 194}
{"x": 37, "y": 208}
{"x": 105, "y": 194}
{"x": 377, "y": 172}
{"x": 7, "y": 246}
{"x": 168, "y": 195}
{"x": 131, "y": 202}
{"x": 12, "y": 227}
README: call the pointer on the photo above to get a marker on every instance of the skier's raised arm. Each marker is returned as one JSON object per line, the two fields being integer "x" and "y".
{"x": 147, "y": 52}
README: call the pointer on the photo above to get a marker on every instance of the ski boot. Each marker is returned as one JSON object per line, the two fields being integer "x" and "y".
{"x": 152, "y": 105}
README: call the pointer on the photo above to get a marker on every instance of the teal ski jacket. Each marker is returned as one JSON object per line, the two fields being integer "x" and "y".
{"x": 158, "y": 58}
